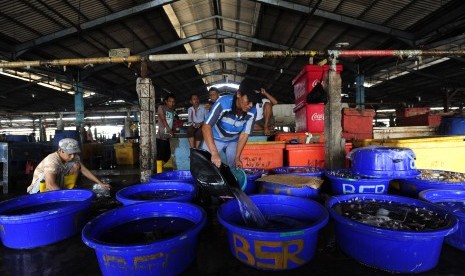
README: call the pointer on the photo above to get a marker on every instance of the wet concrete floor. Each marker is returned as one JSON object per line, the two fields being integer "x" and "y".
{"x": 73, "y": 257}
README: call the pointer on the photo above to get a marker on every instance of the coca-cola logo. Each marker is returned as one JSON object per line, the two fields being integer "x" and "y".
{"x": 315, "y": 82}
{"x": 318, "y": 117}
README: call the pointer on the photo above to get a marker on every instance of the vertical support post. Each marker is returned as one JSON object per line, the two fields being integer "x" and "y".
{"x": 334, "y": 144}
{"x": 446, "y": 100}
{"x": 360, "y": 91}
{"x": 79, "y": 104}
{"x": 42, "y": 133}
{"x": 146, "y": 92}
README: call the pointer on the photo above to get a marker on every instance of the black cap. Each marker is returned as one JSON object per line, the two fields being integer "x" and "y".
{"x": 253, "y": 94}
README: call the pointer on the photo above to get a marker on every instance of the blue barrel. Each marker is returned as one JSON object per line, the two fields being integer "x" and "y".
{"x": 182, "y": 175}
{"x": 17, "y": 138}
{"x": 162, "y": 190}
{"x": 343, "y": 181}
{"x": 279, "y": 189}
{"x": 271, "y": 249}
{"x": 300, "y": 170}
{"x": 453, "y": 201}
{"x": 400, "y": 251}
{"x": 40, "y": 219}
{"x": 252, "y": 174}
{"x": 383, "y": 162}
{"x": 430, "y": 179}
{"x": 61, "y": 134}
{"x": 452, "y": 126}
{"x": 158, "y": 255}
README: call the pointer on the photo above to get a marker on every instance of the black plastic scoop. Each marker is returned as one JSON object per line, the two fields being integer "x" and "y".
{"x": 216, "y": 181}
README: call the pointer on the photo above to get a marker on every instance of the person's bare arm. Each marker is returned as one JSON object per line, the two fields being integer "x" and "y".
{"x": 89, "y": 175}
{"x": 269, "y": 96}
{"x": 267, "y": 113}
{"x": 240, "y": 146}
{"x": 161, "y": 116}
{"x": 210, "y": 142}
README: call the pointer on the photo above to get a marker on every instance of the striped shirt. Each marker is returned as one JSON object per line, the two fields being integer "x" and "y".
{"x": 226, "y": 125}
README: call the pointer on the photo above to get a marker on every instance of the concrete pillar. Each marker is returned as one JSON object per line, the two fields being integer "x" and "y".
{"x": 146, "y": 92}
{"x": 334, "y": 144}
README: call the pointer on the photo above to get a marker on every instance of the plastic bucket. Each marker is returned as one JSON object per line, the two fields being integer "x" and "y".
{"x": 166, "y": 191}
{"x": 252, "y": 175}
{"x": 182, "y": 175}
{"x": 412, "y": 186}
{"x": 447, "y": 199}
{"x": 274, "y": 250}
{"x": 404, "y": 251}
{"x": 345, "y": 182}
{"x": 44, "y": 218}
{"x": 170, "y": 256}
{"x": 383, "y": 162}
{"x": 300, "y": 170}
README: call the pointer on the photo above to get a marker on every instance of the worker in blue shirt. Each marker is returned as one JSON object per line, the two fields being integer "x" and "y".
{"x": 229, "y": 124}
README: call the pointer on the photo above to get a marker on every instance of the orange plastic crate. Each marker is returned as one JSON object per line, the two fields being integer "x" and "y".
{"x": 288, "y": 136}
{"x": 263, "y": 155}
{"x": 309, "y": 154}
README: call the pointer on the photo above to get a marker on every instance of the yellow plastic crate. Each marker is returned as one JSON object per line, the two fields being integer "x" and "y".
{"x": 126, "y": 153}
{"x": 439, "y": 152}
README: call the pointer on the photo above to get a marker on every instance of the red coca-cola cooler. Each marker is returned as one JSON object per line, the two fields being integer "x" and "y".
{"x": 307, "y": 78}
{"x": 309, "y": 117}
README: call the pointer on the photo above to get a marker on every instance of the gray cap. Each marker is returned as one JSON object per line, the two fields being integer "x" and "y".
{"x": 69, "y": 145}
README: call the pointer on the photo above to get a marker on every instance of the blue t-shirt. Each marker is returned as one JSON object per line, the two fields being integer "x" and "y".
{"x": 226, "y": 125}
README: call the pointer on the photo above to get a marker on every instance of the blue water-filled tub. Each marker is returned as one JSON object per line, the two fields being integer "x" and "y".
{"x": 162, "y": 190}
{"x": 153, "y": 238}
{"x": 343, "y": 181}
{"x": 394, "y": 250}
{"x": 44, "y": 218}
{"x": 252, "y": 174}
{"x": 182, "y": 175}
{"x": 432, "y": 179}
{"x": 300, "y": 170}
{"x": 288, "y": 247}
{"x": 453, "y": 201}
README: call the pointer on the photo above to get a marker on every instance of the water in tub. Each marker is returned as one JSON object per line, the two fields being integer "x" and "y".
{"x": 390, "y": 215}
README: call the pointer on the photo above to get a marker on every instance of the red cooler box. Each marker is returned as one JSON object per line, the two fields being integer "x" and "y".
{"x": 307, "y": 78}
{"x": 309, "y": 154}
{"x": 310, "y": 117}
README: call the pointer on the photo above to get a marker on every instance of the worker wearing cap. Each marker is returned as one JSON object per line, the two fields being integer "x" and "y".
{"x": 59, "y": 170}
{"x": 228, "y": 126}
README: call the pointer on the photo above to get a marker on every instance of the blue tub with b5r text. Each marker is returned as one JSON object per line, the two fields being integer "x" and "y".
{"x": 275, "y": 248}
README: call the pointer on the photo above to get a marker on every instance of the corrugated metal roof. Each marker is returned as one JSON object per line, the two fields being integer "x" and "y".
{"x": 36, "y": 29}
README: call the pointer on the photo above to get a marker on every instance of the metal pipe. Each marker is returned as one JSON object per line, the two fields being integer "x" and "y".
{"x": 71, "y": 61}
{"x": 233, "y": 55}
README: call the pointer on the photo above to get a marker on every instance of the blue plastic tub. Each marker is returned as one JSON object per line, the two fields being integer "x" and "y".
{"x": 343, "y": 181}
{"x": 169, "y": 256}
{"x": 252, "y": 175}
{"x": 274, "y": 250}
{"x": 279, "y": 189}
{"x": 300, "y": 170}
{"x": 40, "y": 219}
{"x": 454, "y": 202}
{"x": 383, "y": 162}
{"x": 412, "y": 186}
{"x": 166, "y": 191}
{"x": 403, "y": 251}
{"x": 452, "y": 126}
{"x": 185, "y": 176}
